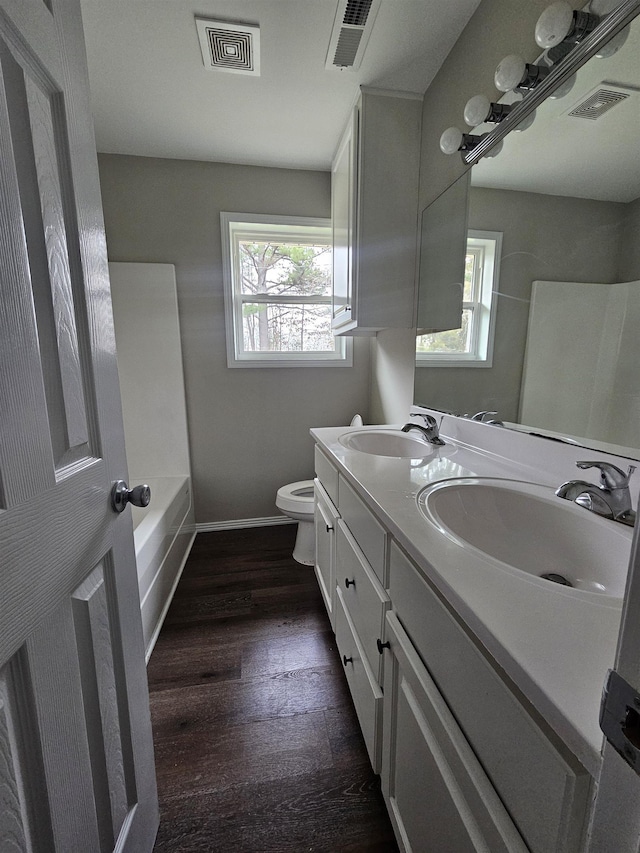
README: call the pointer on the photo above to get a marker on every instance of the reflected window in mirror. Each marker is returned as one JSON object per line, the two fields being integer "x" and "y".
{"x": 472, "y": 344}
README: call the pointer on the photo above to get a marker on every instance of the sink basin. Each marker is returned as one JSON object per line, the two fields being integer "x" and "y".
{"x": 526, "y": 527}
{"x": 387, "y": 442}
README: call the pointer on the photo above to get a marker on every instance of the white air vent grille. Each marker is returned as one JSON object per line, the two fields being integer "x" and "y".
{"x": 234, "y": 48}
{"x": 357, "y": 12}
{"x": 351, "y": 30}
{"x": 600, "y": 100}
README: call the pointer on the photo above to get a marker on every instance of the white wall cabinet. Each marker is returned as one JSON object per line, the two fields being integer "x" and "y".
{"x": 467, "y": 764}
{"x": 374, "y": 199}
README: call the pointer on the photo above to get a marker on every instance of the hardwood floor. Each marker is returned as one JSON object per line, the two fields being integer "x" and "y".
{"x": 257, "y": 744}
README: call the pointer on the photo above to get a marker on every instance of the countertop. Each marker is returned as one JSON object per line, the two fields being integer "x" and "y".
{"x": 554, "y": 644}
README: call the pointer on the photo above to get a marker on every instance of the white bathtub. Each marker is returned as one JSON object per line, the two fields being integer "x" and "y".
{"x": 163, "y": 535}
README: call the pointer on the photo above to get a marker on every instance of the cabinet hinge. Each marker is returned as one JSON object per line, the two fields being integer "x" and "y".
{"x": 620, "y": 718}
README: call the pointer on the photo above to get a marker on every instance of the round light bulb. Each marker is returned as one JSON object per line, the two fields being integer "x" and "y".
{"x": 510, "y": 72}
{"x": 603, "y": 7}
{"x": 495, "y": 150}
{"x": 525, "y": 123}
{"x": 451, "y": 140}
{"x": 563, "y": 89}
{"x": 476, "y": 110}
{"x": 613, "y": 45}
{"x": 554, "y": 24}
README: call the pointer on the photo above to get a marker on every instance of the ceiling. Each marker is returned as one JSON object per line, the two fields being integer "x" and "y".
{"x": 152, "y": 96}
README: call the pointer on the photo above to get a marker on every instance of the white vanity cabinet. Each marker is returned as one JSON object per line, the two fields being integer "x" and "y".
{"x": 374, "y": 201}
{"x": 326, "y": 523}
{"x": 467, "y": 763}
{"x": 357, "y": 601}
{"x": 446, "y": 696}
{"x": 437, "y": 794}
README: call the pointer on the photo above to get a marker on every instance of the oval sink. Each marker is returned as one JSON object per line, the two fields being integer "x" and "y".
{"x": 387, "y": 442}
{"x": 525, "y": 527}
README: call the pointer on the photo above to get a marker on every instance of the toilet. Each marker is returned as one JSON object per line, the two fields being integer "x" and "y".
{"x": 296, "y": 501}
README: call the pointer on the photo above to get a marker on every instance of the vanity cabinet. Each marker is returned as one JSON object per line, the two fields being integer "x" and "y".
{"x": 374, "y": 200}
{"x": 357, "y": 601}
{"x": 326, "y": 521}
{"x": 466, "y": 762}
{"x": 540, "y": 782}
{"x": 437, "y": 794}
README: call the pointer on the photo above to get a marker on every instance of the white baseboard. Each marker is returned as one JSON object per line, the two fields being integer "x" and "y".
{"x": 239, "y": 523}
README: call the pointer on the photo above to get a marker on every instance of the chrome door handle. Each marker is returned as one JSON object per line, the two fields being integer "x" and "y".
{"x": 121, "y": 495}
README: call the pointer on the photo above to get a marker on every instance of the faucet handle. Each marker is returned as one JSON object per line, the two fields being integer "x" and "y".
{"x": 481, "y": 416}
{"x": 428, "y": 419}
{"x": 610, "y": 475}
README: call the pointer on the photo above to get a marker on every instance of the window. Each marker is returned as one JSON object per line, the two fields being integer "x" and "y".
{"x": 277, "y": 287}
{"x": 472, "y": 344}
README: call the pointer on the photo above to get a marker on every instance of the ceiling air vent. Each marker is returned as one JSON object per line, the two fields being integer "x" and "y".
{"x": 234, "y": 48}
{"x": 599, "y": 101}
{"x": 351, "y": 30}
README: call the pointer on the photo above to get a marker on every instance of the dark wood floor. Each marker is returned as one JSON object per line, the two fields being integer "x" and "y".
{"x": 257, "y": 744}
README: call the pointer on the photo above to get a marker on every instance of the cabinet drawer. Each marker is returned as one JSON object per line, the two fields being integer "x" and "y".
{"x": 540, "y": 781}
{"x": 326, "y": 520}
{"x": 363, "y": 596}
{"x": 365, "y": 692}
{"x": 327, "y": 474}
{"x": 439, "y": 797}
{"x": 367, "y": 530}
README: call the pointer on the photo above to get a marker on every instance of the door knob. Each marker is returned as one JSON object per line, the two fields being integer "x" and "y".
{"x": 121, "y": 495}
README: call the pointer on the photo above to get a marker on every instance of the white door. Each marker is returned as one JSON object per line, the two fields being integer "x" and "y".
{"x": 616, "y": 819}
{"x": 76, "y": 755}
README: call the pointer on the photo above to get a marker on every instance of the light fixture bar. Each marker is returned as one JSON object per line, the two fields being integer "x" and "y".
{"x": 607, "y": 28}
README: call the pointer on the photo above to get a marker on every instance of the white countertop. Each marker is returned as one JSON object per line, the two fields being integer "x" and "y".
{"x": 555, "y": 645}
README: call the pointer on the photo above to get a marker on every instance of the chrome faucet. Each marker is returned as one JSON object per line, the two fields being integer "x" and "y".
{"x": 429, "y": 431}
{"x": 611, "y": 499}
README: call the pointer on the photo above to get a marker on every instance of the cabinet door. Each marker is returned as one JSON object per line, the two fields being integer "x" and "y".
{"x": 326, "y": 517}
{"x": 436, "y": 791}
{"x": 343, "y": 214}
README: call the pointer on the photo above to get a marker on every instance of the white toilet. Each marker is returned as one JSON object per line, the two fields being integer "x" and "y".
{"x": 296, "y": 501}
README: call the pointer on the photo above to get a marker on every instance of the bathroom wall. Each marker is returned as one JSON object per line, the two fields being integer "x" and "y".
{"x": 248, "y": 428}
{"x": 629, "y": 269}
{"x": 498, "y": 27}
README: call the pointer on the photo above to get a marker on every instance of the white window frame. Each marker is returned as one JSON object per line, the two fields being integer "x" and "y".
{"x": 236, "y": 226}
{"x": 488, "y": 245}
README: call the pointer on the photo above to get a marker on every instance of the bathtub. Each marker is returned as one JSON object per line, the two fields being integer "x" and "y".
{"x": 163, "y": 534}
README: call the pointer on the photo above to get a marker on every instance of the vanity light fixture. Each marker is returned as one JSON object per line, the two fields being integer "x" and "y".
{"x": 480, "y": 109}
{"x": 453, "y": 139}
{"x": 514, "y": 74}
{"x": 559, "y": 23}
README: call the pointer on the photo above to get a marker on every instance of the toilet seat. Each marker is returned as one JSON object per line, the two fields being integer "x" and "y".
{"x": 296, "y": 497}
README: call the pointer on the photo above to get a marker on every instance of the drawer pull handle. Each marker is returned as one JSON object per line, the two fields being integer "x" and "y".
{"x": 329, "y": 527}
{"x": 382, "y": 646}
{"x": 346, "y": 660}
{"x": 348, "y": 583}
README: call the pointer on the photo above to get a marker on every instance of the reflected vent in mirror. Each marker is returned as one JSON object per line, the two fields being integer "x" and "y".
{"x": 352, "y": 27}
{"x": 599, "y": 101}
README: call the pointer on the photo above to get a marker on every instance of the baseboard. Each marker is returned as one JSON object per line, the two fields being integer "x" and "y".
{"x": 239, "y": 523}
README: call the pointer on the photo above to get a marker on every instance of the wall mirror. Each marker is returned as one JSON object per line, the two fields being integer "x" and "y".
{"x": 564, "y": 195}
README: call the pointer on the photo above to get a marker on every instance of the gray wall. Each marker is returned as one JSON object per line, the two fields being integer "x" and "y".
{"x": 248, "y": 428}
{"x": 630, "y": 264}
{"x": 544, "y": 237}
{"x": 498, "y": 27}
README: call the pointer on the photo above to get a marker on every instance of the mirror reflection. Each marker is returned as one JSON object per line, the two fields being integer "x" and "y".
{"x": 563, "y": 199}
